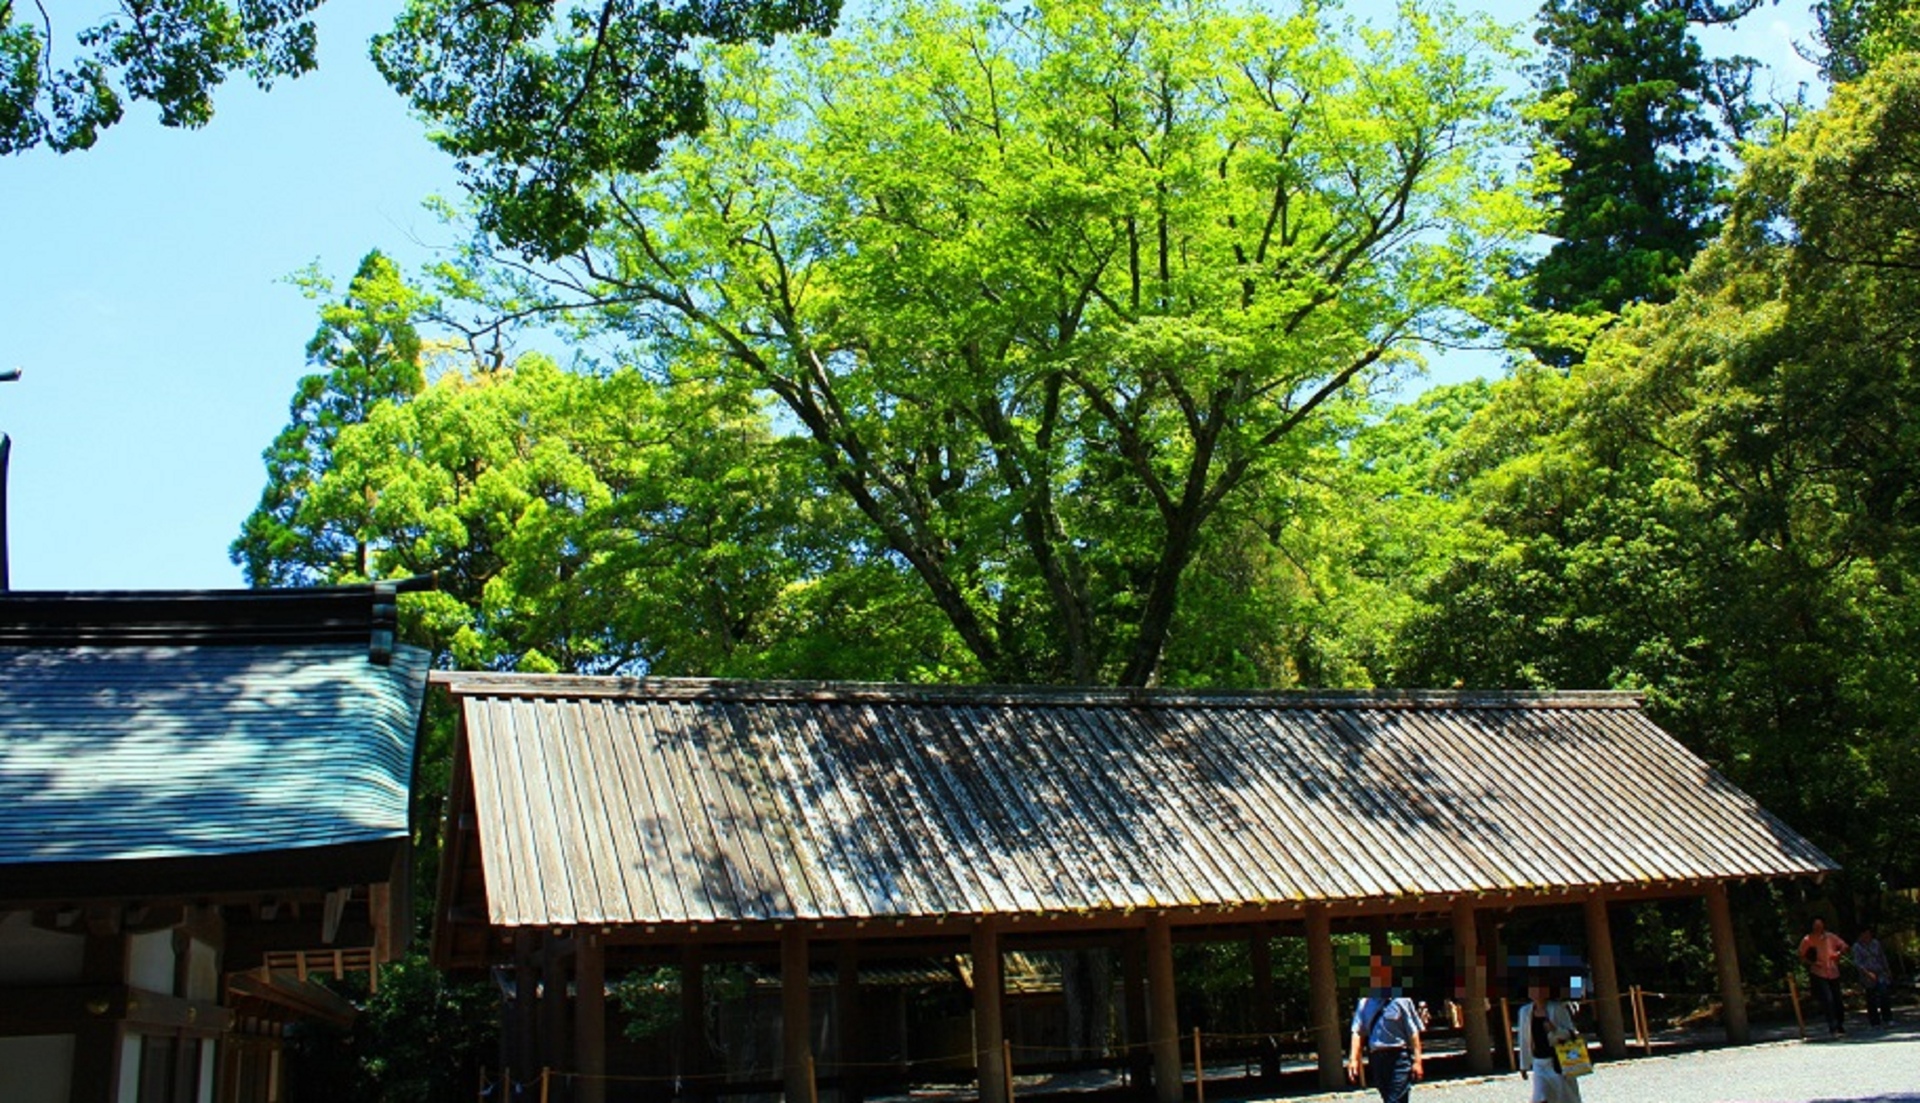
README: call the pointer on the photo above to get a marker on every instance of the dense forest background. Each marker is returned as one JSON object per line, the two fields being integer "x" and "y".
{"x": 1072, "y": 344}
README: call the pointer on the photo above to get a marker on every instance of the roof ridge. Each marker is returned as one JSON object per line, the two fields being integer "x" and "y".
{"x": 509, "y": 684}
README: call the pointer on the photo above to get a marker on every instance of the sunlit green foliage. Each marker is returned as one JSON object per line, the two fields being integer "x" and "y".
{"x": 1047, "y": 291}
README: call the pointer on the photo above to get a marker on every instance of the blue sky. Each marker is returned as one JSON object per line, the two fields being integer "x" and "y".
{"x": 144, "y": 293}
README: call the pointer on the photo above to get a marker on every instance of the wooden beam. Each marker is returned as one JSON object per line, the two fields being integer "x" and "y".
{"x": 1726, "y": 955}
{"x": 1324, "y": 1000}
{"x": 989, "y": 1028}
{"x": 590, "y": 1017}
{"x": 1606, "y": 977}
{"x": 1472, "y": 987}
{"x": 1163, "y": 1009}
{"x": 796, "y": 1016}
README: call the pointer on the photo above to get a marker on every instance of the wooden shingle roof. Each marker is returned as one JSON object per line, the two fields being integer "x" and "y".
{"x": 622, "y": 802}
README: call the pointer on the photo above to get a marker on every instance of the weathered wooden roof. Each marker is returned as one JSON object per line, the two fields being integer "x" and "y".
{"x": 611, "y": 801}
{"x": 130, "y": 748}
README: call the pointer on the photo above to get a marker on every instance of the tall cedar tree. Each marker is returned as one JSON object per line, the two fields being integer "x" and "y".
{"x": 1638, "y": 190}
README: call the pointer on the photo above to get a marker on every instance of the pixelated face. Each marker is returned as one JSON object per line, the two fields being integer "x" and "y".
{"x": 1380, "y": 972}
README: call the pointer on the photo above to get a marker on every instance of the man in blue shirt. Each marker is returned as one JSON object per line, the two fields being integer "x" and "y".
{"x": 1387, "y": 1025}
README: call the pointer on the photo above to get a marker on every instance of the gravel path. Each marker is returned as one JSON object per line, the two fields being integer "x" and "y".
{"x": 1865, "y": 1066}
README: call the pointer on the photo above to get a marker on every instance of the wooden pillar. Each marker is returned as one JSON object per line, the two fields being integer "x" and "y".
{"x": 851, "y": 1031}
{"x": 1324, "y": 999}
{"x": 1163, "y": 1011}
{"x": 1498, "y": 983}
{"x": 1139, "y": 1059}
{"x": 1726, "y": 955}
{"x": 796, "y": 1016}
{"x": 1264, "y": 1020}
{"x": 693, "y": 1022}
{"x": 97, "y": 1047}
{"x": 554, "y": 1051}
{"x": 989, "y": 1031}
{"x": 590, "y": 1016}
{"x": 523, "y": 1053}
{"x": 1606, "y": 977}
{"x": 1472, "y": 989}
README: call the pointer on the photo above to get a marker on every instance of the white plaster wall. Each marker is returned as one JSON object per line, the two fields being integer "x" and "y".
{"x": 30, "y": 955}
{"x": 130, "y": 1069}
{"x": 209, "y": 1069}
{"x": 150, "y": 961}
{"x": 36, "y": 1068}
{"x": 203, "y": 971}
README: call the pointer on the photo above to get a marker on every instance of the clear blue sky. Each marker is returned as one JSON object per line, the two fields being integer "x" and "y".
{"x": 143, "y": 292}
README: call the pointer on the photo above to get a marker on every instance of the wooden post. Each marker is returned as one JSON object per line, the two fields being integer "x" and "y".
{"x": 1006, "y": 1062}
{"x": 546, "y": 1078}
{"x": 590, "y": 1016}
{"x": 1793, "y": 993}
{"x": 1472, "y": 992}
{"x": 693, "y": 1021}
{"x": 1199, "y": 1070}
{"x": 1163, "y": 1010}
{"x": 1139, "y": 1058}
{"x": 553, "y": 1003}
{"x": 1606, "y": 978}
{"x": 526, "y": 1001}
{"x": 813, "y": 1080}
{"x": 850, "y": 1035}
{"x": 1324, "y": 998}
{"x": 796, "y": 1015}
{"x": 989, "y": 1028}
{"x": 98, "y": 1046}
{"x": 1726, "y": 955}
{"x": 1265, "y": 1022}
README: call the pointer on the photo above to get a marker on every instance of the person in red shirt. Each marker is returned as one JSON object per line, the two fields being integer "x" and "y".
{"x": 1821, "y": 950}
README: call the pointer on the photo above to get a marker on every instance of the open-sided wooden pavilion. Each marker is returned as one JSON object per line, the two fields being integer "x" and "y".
{"x": 203, "y": 803}
{"x": 602, "y": 823}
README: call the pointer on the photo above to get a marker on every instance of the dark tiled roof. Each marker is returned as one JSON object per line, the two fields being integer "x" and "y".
{"x": 168, "y": 726}
{"x": 662, "y": 801}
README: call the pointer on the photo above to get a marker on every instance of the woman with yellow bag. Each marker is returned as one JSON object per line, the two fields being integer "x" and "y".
{"x": 1544, "y": 1035}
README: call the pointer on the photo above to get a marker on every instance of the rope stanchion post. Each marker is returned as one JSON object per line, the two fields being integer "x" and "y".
{"x": 1506, "y": 1034}
{"x": 1006, "y": 1065}
{"x": 1642, "y": 1025}
{"x": 813, "y": 1082}
{"x": 546, "y": 1078}
{"x": 1793, "y": 994}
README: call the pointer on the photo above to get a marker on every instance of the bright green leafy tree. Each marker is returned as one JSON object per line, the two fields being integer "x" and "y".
{"x": 1047, "y": 291}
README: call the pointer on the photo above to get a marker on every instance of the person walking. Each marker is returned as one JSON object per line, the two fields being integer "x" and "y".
{"x": 1871, "y": 959}
{"x": 1542, "y": 1021}
{"x": 1387, "y": 1027}
{"x": 1821, "y": 950}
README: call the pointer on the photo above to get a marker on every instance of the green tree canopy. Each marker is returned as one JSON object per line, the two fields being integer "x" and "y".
{"x": 1046, "y": 290}
{"x": 1720, "y": 506}
{"x": 1633, "y": 125}
{"x": 369, "y": 351}
{"x": 536, "y": 99}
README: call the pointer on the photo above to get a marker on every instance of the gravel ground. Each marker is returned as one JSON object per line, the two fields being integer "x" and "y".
{"x": 1865, "y": 1066}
